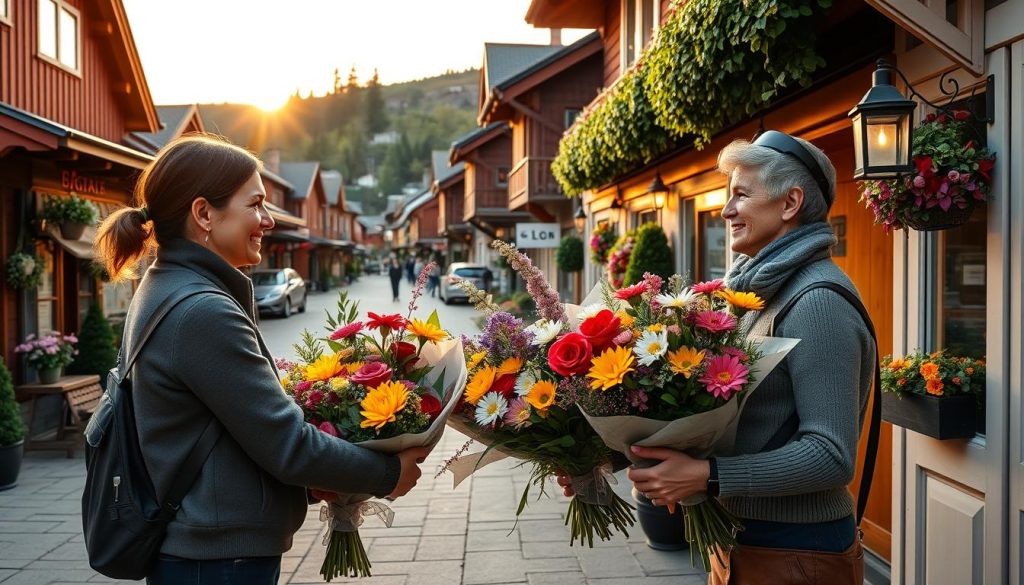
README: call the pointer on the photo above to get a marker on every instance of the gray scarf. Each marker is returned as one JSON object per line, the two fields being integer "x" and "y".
{"x": 766, "y": 272}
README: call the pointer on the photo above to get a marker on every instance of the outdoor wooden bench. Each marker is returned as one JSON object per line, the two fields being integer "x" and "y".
{"x": 81, "y": 394}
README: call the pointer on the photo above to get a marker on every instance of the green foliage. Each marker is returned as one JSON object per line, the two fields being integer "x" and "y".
{"x": 12, "y": 427}
{"x": 650, "y": 254}
{"x": 24, "y": 270}
{"x": 712, "y": 63}
{"x": 59, "y": 209}
{"x": 570, "y": 254}
{"x": 376, "y": 117}
{"x": 97, "y": 349}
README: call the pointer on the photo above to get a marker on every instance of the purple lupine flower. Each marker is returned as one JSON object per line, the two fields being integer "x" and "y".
{"x": 505, "y": 337}
{"x": 549, "y": 305}
{"x": 417, "y": 292}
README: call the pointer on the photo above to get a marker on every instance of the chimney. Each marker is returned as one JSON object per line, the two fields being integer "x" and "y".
{"x": 556, "y": 37}
{"x": 272, "y": 160}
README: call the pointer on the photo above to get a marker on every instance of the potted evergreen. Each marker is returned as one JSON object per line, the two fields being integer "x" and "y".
{"x": 72, "y": 214}
{"x": 12, "y": 431}
{"x": 934, "y": 394}
{"x": 650, "y": 254}
{"x": 570, "y": 254}
{"x": 97, "y": 351}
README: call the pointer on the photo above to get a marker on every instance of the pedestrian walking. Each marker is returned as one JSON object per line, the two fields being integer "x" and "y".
{"x": 434, "y": 280}
{"x": 203, "y": 209}
{"x": 410, "y": 269}
{"x": 395, "y": 274}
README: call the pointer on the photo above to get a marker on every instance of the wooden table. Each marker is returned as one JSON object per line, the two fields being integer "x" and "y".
{"x": 80, "y": 395}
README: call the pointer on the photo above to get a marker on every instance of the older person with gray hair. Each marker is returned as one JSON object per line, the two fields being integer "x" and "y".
{"x": 796, "y": 446}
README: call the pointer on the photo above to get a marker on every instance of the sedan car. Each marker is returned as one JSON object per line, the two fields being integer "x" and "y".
{"x": 477, "y": 274}
{"x": 279, "y": 291}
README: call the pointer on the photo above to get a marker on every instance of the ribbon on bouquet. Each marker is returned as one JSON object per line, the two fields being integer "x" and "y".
{"x": 595, "y": 486}
{"x": 349, "y": 517}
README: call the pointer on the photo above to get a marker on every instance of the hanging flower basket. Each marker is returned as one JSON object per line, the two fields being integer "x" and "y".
{"x": 71, "y": 213}
{"x": 952, "y": 177}
{"x": 24, "y": 271}
{"x": 601, "y": 241}
{"x": 933, "y": 394}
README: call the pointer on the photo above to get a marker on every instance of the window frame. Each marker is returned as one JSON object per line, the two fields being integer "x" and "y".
{"x": 60, "y": 5}
{"x": 5, "y": 13}
{"x": 498, "y": 174}
{"x": 636, "y": 32}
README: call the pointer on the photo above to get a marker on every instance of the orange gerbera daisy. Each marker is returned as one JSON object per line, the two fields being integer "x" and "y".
{"x": 934, "y": 387}
{"x": 480, "y": 384}
{"x": 382, "y": 404}
{"x": 746, "y": 301}
{"x": 510, "y": 366}
{"x": 929, "y": 370}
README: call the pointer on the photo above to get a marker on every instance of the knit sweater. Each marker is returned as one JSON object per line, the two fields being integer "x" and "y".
{"x": 826, "y": 380}
{"x": 207, "y": 359}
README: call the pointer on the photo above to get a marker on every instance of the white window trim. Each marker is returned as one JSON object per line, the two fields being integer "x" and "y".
{"x": 637, "y": 32}
{"x": 55, "y": 61}
{"x": 5, "y": 17}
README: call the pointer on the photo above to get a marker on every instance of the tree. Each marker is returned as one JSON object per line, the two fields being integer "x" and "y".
{"x": 97, "y": 352}
{"x": 650, "y": 254}
{"x": 353, "y": 80}
{"x": 376, "y": 116}
{"x": 12, "y": 427}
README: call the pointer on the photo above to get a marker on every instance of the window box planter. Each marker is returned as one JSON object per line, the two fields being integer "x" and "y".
{"x": 939, "y": 417}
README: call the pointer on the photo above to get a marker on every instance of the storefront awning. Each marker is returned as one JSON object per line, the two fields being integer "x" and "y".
{"x": 328, "y": 243}
{"x": 286, "y": 235}
{"x": 284, "y": 218}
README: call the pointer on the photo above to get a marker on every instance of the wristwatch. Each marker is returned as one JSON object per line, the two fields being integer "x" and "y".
{"x": 713, "y": 487}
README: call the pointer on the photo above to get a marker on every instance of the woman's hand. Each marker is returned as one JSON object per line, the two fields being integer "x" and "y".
{"x": 677, "y": 477}
{"x": 410, "y": 460}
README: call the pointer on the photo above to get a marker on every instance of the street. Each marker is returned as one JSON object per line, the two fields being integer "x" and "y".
{"x": 440, "y": 535}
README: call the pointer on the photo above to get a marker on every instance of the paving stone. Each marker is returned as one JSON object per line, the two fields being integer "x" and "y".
{"x": 573, "y": 578}
{"x": 438, "y": 548}
{"x": 608, "y": 562}
{"x": 657, "y": 563}
{"x": 509, "y": 567}
{"x": 386, "y": 553}
{"x": 487, "y": 540}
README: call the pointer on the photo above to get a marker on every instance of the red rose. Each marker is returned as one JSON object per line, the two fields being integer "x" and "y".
{"x": 328, "y": 428}
{"x": 601, "y": 329}
{"x": 403, "y": 350}
{"x": 961, "y": 115}
{"x": 372, "y": 374}
{"x": 570, "y": 355}
{"x": 430, "y": 404}
{"x": 505, "y": 385}
{"x": 985, "y": 168}
{"x": 929, "y": 118}
{"x": 394, "y": 322}
{"x": 923, "y": 164}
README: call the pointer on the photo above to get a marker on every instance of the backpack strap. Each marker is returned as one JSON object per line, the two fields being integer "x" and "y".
{"x": 789, "y": 428}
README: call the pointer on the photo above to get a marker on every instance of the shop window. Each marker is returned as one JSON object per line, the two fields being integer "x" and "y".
{"x": 712, "y": 246}
{"x": 639, "y": 20}
{"x": 501, "y": 176}
{"x": 570, "y": 116}
{"x": 46, "y": 294}
{"x": 58, "y": 33}
{"x": 650, "y": 216}
{"x": 86, "y": 290}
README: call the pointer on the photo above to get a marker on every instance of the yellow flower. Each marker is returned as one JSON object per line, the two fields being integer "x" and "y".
{"x": 480, "y": 384}
{"x": 656, "y": 328}
{"x": 325, "y": 367}
{"x": 608, "y": 369}
{"x": 476, "y": 358}
{"x": 286, "y": 381}
{"x": 510, "y": 366}
{"x": 339, "y": 385}
{"x": 353, "y": 367}
{"x": 542, "y": 395}
{"x": 898, "y": 364}
{"x": 747, "y": 301}
{"x": 382, "y": 404}
{"x": 934, "y": 386}
{"x": 683, "y": 360}
{"x": 426, "y": 331}
{"x": 929, "y": 370}
{"x": 625, "y": 319}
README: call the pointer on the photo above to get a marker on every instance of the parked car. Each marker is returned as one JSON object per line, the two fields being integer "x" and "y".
{"x": 479, "y": 275}
{"x": 279, "y": 290}
{"x": 372, "y": 267}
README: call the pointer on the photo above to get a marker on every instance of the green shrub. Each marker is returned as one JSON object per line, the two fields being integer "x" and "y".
{"x": 570, "y": 254}
{"x": 651, "y": 253}
{"x": 97, "y": 350}
{"x": 12, "y": 427}
{"x": 69, "y": 210}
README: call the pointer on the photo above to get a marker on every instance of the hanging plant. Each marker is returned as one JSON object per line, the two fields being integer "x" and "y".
{"x": 72, "y": 214}
{"x": 24, "y": 271}
{"x": 952, "y": 176}
{"x": 570, "y": 254}
{"x": 601, "y": 241}
{"x": 618, "y": 258}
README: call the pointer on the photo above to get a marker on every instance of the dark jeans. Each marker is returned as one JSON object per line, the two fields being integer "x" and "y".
{"x": 170, "y": 570}
{"x": 394, "y": 288}
{"x": 834, "y": 536}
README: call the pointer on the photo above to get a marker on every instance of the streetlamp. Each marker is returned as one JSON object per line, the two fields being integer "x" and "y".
{"x": 580, "y": 218}
{"x": 616, "y": 207}
{"x": 659, "y": 192}
{"x": 882, "y": 129}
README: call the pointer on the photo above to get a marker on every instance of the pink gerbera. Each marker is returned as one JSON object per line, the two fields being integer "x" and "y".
{"x": 631, "y": 291}
{"x": 715, "y": 321}
{"x": 518, "y": 414}
{"x": 347, "y": 330}
{"x": 724, "y": 376}
{"x": 708, "y": 287}
{"x": 736, "y": 353}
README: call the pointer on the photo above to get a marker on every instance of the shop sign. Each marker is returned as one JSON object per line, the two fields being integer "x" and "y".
{"x": 538, "y": 235}
{"x": 72, "y": 181}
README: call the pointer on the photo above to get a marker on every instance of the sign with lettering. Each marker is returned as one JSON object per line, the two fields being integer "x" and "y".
{"x": 72, "y": 181}
{"x": 538, "y": 235}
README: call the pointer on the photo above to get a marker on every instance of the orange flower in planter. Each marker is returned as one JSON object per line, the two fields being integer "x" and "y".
{"x": 929, "y": 370}
{"x": 934, "y": 387}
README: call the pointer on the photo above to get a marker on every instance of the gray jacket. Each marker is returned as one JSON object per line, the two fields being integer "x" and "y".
{"x": 207, "y": 359}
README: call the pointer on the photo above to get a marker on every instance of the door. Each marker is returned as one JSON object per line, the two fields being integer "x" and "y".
{"x": 950, "y": 506}
{"x": 1015, "y": 281}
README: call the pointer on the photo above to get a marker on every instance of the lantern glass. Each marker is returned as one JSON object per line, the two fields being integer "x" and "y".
{"x": 659, "y": 200}
{"x": 883, "y": 141}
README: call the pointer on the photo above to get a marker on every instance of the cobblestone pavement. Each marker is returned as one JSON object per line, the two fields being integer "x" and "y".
{"x": 440, "y": 536}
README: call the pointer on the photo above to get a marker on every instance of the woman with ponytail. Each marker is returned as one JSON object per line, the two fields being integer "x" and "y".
{"x": 200, "y": 207}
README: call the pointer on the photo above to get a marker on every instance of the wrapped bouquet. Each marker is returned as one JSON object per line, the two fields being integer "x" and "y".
{"x": 387, "y": 383}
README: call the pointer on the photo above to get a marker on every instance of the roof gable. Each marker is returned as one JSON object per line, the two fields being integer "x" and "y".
{"x": 113, "y": 25}
{"x": 301, "y": 175}
{"x": 332, "y": 185}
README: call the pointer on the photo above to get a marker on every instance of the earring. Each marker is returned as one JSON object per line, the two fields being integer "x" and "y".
{"x": 206, "y": 241}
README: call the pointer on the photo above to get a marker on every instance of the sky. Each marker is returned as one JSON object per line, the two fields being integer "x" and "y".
{"x": 260, "y": 52}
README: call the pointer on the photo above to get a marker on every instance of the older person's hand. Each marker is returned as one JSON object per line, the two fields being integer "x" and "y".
{"x": 677, "y": 477}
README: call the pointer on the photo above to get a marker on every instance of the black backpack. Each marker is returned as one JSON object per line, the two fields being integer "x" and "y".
{"x": 123, "y": 523}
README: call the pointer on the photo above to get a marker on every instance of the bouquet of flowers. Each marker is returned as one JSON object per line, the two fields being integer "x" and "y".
{"x": 520, "y": 402}
{"x": 54, "y": 350}
{"x": 601, "y": 242}
{"x": 952, "y": 173}
{"x": 936, "y": 374}
{"x": 671, "y": 369}
{"x": 387, "y": 391}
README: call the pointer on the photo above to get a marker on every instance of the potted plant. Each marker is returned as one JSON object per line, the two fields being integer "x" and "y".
{"x": 97, "y": 350}
{"x": 601, "y": 241}
{"x": 650, "y": 254}
{"x": 953, "y": 175}
{"x": 24, "y": 271}
{"x": 570, "y": 254}
{"x": 48, "y": 354}
{"x": 12, "y": 431}
{"x": 71, "y": 213}
{"x": 934, "y": 394}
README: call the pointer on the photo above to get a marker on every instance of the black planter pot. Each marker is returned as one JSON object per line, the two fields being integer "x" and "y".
{"x": 10, "y": 464}
{"x": 664, "y": 531}
{"x": 939, "y": 417}
{"x": 72, "y": 231}
{"x": 942, "y": 220}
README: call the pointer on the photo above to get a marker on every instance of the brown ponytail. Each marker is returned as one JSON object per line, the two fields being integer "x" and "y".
{"x": 193, "y": 166}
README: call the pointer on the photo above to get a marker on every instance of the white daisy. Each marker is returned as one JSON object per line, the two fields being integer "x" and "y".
{"x": 650, "y": 347}
{"x": 544, "y": 331}
{"x": 524, "y": 383}
{"x": 675, "y": 301}
{"x": 490, "y": 408}
{"x": 589, "y": 311}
